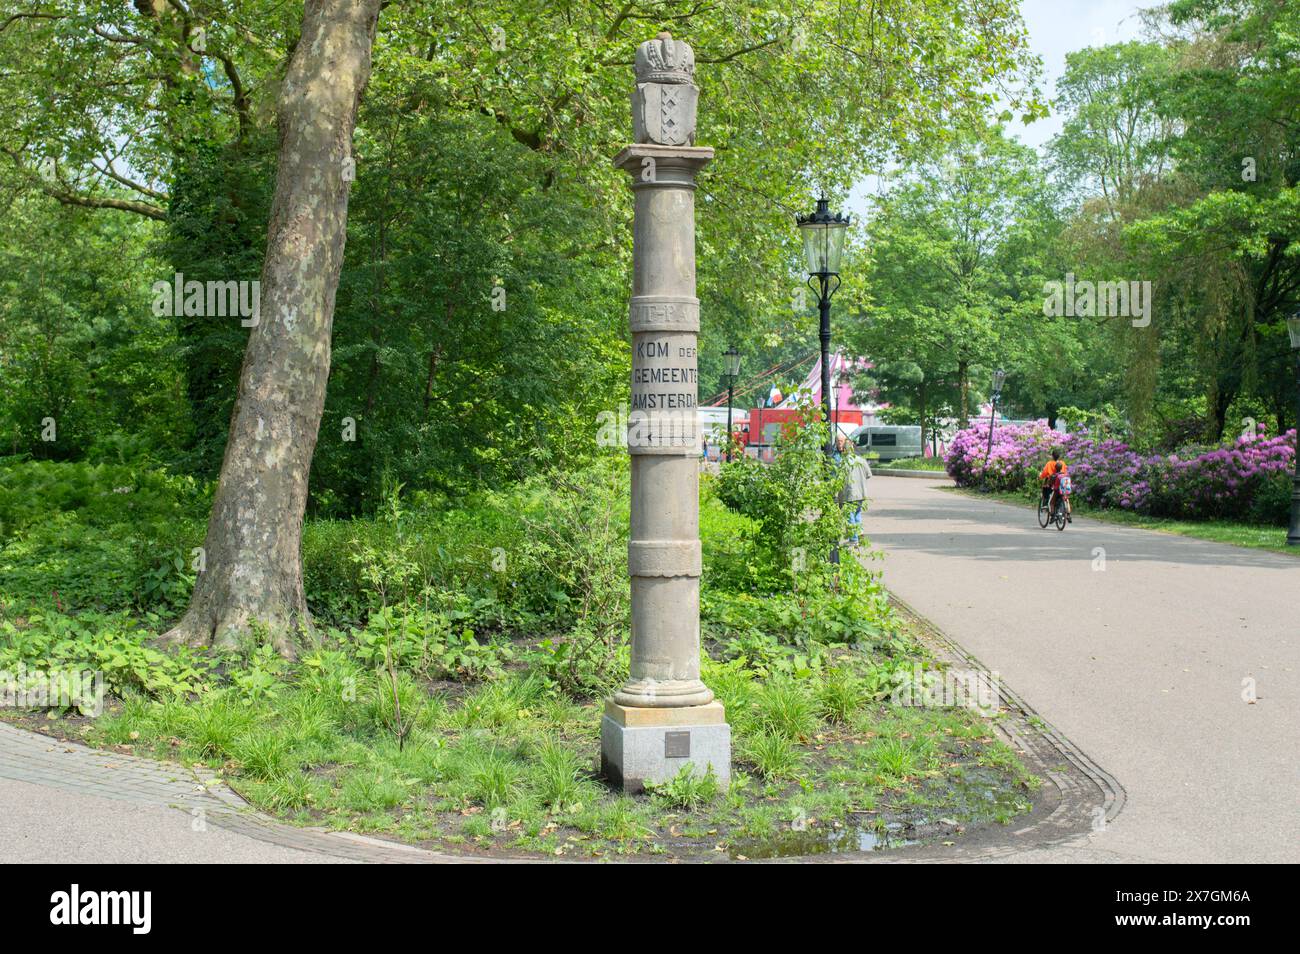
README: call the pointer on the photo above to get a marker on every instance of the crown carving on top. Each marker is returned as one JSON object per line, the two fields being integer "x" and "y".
{"x": 665, "y": 60}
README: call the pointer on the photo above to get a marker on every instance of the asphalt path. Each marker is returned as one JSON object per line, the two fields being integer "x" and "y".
{"x": 1173, "y": 663}
{"x": 41, "y": 824}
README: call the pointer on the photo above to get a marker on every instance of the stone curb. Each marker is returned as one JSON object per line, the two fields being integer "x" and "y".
{"x": 1080, "y": 797}
{"x": 1075, "y": 797}
{"x": 921, "y": 474}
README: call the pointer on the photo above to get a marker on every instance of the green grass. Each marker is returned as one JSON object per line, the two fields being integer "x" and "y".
{"x": 1219, "y": 531}
{"x": 1236, "y": 533}
{"x": 786, "y": 708}
{"x": 772, "y": 755}
{"x": 511, "y": 765}
{"x": 491, "y": 751}
{"x": 686, "y": 790}
{"x": 559, "y": 776}
{"x": 910, "y": 463}
{"x": 840, "y": 695}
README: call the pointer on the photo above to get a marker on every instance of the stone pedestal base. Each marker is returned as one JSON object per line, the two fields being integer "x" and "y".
{"x": 651, "y": 745}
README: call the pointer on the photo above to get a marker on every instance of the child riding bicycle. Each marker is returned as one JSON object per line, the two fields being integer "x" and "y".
{"x": 1051, "y": 476}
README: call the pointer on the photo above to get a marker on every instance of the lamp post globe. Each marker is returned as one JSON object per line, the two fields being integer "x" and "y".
{"x": 732, "y": 357}
{"x": 823, "y": 234}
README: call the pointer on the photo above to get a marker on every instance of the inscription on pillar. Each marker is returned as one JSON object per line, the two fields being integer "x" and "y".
{"x": 665, "y": 382}
{"x": 665, "y": 377}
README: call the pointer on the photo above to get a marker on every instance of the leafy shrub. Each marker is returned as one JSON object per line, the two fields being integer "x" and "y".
{"x": 93, "y": 642}
{"x": 1272, "y": 503}
{"x": 733, "y": 560}
{"x": 547, "y": 556}
{"x": 103, "y": 495}
{"x": 533, "y": 556}
{"x": 78, "y": 536}
{"x": 855, "y": 611}
{"x": 581, "y": 664}
{"x": 766, "y": 654}
{"x": 685, "y": 790}
{"x": 66, "y": 564}
{"x": 792, "y": 499}
{"x": 425, "y": 642}
{"x": 576, "y": 537}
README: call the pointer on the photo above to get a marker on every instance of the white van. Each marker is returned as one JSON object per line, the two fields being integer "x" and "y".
{"x": 888, "y": 441}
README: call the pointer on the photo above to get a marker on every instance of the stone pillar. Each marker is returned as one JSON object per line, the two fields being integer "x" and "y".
{"x": 664, "y": 717}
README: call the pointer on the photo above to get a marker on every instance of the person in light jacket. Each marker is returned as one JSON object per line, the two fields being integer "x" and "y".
{"x": 854, "y": 491}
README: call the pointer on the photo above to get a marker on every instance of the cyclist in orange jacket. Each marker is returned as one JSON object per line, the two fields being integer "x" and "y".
{"x": 1050, "y": 475}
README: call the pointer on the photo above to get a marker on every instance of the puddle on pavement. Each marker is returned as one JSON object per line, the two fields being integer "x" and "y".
{"x": 820, "y": 841}
{"x": 978, "y": 798}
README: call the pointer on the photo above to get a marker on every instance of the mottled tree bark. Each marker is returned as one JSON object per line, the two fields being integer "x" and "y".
{"x": 252, "y": 554}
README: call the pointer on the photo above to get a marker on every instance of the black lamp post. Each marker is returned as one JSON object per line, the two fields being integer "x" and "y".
{"x": 1293, "y": 533}
{"x": 733, "y": 372}
{"x": 823, "y": 243}
{"x": 999, "y": 378}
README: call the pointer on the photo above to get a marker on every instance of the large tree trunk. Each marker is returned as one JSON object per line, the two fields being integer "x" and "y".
{"x": 252, "y": 554}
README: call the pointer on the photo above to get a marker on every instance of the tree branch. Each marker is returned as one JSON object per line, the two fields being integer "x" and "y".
{"x": 106, "y": 202}
{"x": 13, "y": 17}
{"x": 116, "y": 177}
{"x": 63, "y": 192}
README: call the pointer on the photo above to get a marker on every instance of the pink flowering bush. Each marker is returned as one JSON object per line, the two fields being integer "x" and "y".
{"x": 1246, "y": 479}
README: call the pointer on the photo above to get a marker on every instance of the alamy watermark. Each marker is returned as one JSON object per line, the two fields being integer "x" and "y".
{"x": 1087, "y": 299}
{"x": 26, "y": 688}
{"x": 946, "y": 689}
{"x": 669, "y": 427}
{"x": 131, "y": 909}
{"x": 212, "y": 299}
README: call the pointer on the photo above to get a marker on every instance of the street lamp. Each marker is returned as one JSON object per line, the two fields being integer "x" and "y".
{"x": 732, "y": 357}
{"x": 1293, "y": 533}
{"x": 999, "y": 378}
{"x": 823, "y": 243}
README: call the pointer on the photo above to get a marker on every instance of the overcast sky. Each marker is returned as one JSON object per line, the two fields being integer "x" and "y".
{"x": 1058, "y": 27}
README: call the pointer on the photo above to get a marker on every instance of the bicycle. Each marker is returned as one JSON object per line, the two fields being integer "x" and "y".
{"x": 1052, "y": 510}
{"x": 1058, "y": 512}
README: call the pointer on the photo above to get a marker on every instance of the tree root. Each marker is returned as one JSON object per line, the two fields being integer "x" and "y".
{"x": 199, "y": 629}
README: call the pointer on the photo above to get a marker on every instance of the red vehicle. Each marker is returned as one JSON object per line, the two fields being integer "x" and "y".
{"x": 767, "y": 423}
